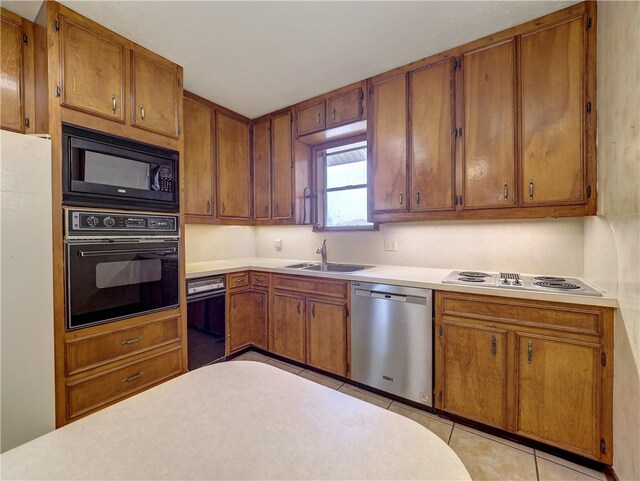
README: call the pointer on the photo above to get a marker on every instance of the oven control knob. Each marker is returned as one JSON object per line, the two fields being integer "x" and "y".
{"x": 92, "y": 221}
{"x": 109, "y": 222}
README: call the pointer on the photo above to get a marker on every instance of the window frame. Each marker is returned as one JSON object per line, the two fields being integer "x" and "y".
{"x": 318, "y": 154}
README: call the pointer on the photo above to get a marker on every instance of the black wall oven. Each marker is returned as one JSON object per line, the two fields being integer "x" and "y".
{"x": 102, "y": 170}
{"x": 119, "y": 265}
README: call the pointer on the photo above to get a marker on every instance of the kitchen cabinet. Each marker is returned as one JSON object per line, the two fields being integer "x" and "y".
{"x": 273, "y": 168}
{"x": 518, "y": 140}
{"x": 247, "y": 320}
{"x": 489, "y": 90}
{"x": 552, "y": 69}
{"x": 310, "y": 117}
{"x": 310, "y": 322}
{"x": 542, "y": 370}
{"x": 17, "y": 90}
{"x": 233, "y": 169}
{"x": 155, "y": 94}
{"x": 345, "y": 107}
{"x": 199, "y": 160}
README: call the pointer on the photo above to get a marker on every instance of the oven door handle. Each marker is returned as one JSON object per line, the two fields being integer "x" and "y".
{"x": 161, "y": 252}
{"x": 205, "y": 295}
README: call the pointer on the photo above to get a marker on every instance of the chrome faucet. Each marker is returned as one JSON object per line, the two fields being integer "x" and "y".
{"x": 322, "y": 250}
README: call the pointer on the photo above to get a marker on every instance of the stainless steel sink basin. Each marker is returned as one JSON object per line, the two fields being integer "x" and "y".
{"x": 331, "y": 267}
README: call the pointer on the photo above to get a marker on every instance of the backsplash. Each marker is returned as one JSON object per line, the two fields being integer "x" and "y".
{"x": 541, "y": 246}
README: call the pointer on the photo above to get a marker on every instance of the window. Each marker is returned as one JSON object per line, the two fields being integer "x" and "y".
{"x": 342, "y": 176}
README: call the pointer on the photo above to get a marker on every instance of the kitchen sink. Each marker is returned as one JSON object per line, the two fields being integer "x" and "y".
{"x": 330, "y": 267}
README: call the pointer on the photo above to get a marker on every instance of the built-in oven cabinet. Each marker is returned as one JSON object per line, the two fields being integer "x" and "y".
{"x": 542, "y": 370}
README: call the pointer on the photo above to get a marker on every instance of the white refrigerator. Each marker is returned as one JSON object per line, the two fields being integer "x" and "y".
{"x": 27, "y": 397}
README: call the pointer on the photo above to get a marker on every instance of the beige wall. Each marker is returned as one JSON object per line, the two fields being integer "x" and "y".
{"x": 212, "y": 243}
{"x": 611, "y": 258}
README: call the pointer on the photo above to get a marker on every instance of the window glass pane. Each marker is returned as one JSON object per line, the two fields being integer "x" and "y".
{"x": 346, "y": 165}
{"x": 347, "y": 208}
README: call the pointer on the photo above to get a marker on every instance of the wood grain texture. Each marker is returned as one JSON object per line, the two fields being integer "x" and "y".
{"x": 234, "y": 192}
{"x": 489, "y": 133}
{"x": 287, "y": 326}
{"x": 247, "y": 320}
{"x": 92, "y": 69}
{"x": 312, "y": 285}
{"x": 282, "y": 165}
{"x": 154, "y": 94}
{"x": 431, "y": 133}
{"x": 388, "y": 146}
{"x": 198, "y": 158}
{"x": 344, "y": 108}
{"x": 11, "y": 72}
{"x": 262, "y": 168}
{"x": 327, "y": 335}
{"x": 310, "y": 117}
{"x": 552, "y": 83}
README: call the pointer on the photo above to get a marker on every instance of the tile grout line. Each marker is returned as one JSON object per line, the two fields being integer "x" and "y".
{"x": 535, "y": 460}
{"x": 451, "y": 434}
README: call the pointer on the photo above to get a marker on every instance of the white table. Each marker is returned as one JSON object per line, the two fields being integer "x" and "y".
{"x": 237, "y": 420}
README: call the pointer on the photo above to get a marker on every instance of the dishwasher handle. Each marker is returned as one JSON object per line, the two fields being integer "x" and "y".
{"x": 387, "y": 297}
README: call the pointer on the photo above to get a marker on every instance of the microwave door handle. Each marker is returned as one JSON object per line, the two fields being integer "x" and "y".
{"x": 128, "y": 251}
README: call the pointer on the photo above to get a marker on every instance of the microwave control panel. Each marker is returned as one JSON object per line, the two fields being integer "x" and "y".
{"x": 85, "y": 223}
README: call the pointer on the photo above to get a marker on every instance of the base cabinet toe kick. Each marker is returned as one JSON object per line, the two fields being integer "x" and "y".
{"x": 541, "y": 370}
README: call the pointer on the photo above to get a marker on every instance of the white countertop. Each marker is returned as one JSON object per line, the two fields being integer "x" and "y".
{"x": 237, "y": 420}
{"x": 425, "y": 277}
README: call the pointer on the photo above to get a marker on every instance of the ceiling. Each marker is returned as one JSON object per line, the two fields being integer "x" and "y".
{"x": 257, "y": 57}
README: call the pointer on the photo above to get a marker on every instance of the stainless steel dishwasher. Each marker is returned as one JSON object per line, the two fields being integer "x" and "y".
{"x": 392, "y": 339}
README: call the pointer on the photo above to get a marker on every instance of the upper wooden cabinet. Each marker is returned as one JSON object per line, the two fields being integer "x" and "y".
{"x": 489, "y": 161}
{"x": 155, "y": 94}
{"x": 234, "y": 189}
{"x": 502, "y": 127}
{"x": 92, "y": 69}
{"x": 345, "y": 107}
{"x": 311, "y": 117}
{"x": 262, "y": 169}
{"x": 552, "y": 69}
{"x": 198, "y": 160}
{"x": 17, "y": 91}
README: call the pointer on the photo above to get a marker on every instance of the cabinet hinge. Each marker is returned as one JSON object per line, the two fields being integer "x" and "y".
{"x": 440, "y": 330}
{"x": 361, "y": 94}
{"x": 178, "y": 81}
{"x": 588, "y": 191}
{"x": 370, "y": 91}
{"x": 588, "y": 107}
{"x": 25, "y": 39}
{"x": 458, "y": 200}
{"x": 346, "y": 310}
{"x": 458, "y": 132}
{"x": 457, "y": 64}
{"x": 58, "y": 91}
{"x": 292, "y": 210}
{"x": 348, "y": 367}
{"x": 56, "y": 25}
{"x": 603, "y": 446}
{"x": 588, "y": 23}
{"x": 361, "y": 110}
{"x": 27, "y": 122}
{"x": 292, "y": 164}
{"x": 290, "y": 117}
{"x": 603, "y": 359}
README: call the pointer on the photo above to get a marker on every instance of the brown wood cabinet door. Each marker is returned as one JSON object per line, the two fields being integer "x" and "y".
{"x": 432, "y": 148}
{"x": 287, "y": 327}
{"x": 259, "y": 326}
{"x": 489, "y": 126}
{"x": 198, "y": 158}
{"x": 262, "y": 169}
{"x": 345, "y": 108}
{"x": 233, "y": 167}
{"x": 92, "y": 70}
{"x": 155, "y": 95}
{"x": 243, "y": 307}
{"x": 552, "y": 76}
{"x": 474, "y": 360}
{"x": 327, "y": 335}
{"x": 388, "y": 181}
{"x": 558, "y": 392}
{"x": 282, "y": 162}
{"x": 11, "y": 76}
{"x": 311, "y": 118}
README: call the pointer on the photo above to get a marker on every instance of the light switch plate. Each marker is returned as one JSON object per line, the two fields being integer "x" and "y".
{"x": 391, "y": 244}
{"x": 278, "y": 244}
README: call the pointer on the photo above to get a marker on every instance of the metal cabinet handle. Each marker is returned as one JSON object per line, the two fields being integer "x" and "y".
{"x": 531, "y": 189}
{"x": 131, "y": 341}
{"x": 318, "y": 119}
{"x": 223, "y": 208}
{"x": 208, "y": 206}
{"x": 493, "y": 346}
{"x": 114, "y": 103}
{"x": 134, "y": 377}
{"x": 298, "y": 307}
{"x": 313, "y": 310}
{"x": 142, "y": 112}
{"x": 506, "y": 191}
{"x": 418, "y": 197}
{"x": 334, "y": 114}
{"x": 235, "y": 302}
{"x": 530, "y": 352}
{"x": 261, "y": 302}
{"x": 401, "y": 198}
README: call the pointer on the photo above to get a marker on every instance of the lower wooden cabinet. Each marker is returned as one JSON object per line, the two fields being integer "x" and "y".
{"x": 247, "y": 320}
{"x": 542, "y": 370}
{"x": 327, "y": 335}
{"x": 287, "y": 326}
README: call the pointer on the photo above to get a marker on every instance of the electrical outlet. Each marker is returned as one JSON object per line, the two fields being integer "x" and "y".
{"x": 278, "y": 244}
{"x": 391, "y": 244}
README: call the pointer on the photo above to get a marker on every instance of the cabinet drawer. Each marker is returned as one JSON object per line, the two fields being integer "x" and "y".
{"x": 94, "y": 392}
{"x": 311, "y": 118}
{"x": 85, "y": 353}
{"x": 311, "y": 285}
{"x": 565, "y": 317}
{"x": 259, "y": 279}
{"x": 238, "y": 279}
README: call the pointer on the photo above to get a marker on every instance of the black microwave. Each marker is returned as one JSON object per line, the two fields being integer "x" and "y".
{"x": 102, "y": 170}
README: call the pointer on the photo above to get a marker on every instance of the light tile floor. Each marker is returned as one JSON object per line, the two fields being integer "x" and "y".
{"x": 486, "y": 457}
